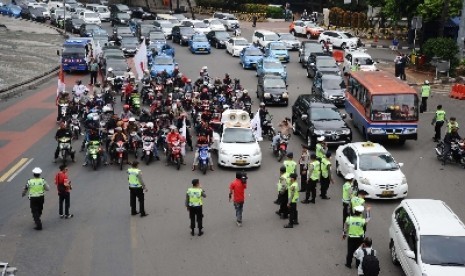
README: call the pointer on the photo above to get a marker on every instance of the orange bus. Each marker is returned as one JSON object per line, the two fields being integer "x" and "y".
{"x": 382, "y": 106}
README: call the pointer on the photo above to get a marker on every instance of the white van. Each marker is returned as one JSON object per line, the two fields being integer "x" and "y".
{"x": 427, "y": 239}
{"x": 261, "y": 38}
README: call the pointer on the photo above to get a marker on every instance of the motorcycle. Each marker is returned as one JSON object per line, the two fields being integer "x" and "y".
{"x": 248, "y": 108}
{"x": 134, "y": 143}
{"x": 237, "y": 30}
{"x": 148, "y": 143}
{"x": 64, "y": 146}
{"x": 75, "y": 126}
{"x": 135, "y": 104}
{"x": 456, "y": 153}
{"x": 280, "y": 149}
{"x": 268, "y": 129}
{"x": 63, "y": 112}
{"x": 175, "y": 156}
{"x": 120, "y": 153}
{"x": 7, "y": 270}
{"x": 93, "y": 153}
{"x": 204, "y": 162}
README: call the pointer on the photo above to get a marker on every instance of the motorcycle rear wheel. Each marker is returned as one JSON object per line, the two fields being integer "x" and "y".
{"x": 178, "y": 163}
{"x": 281, "y": 154}
{"x": 94, "y": 164}
{"x": 203, "y": 168}
{"x": 120, "y": 163}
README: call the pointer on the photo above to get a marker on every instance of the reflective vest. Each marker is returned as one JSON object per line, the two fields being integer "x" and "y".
{"x": 425, "y": 91}
{"x": 325, "y": 166}
{"x": 450, "y": 125}
{"x": 346, "y": 192}
{"x": 355, "y": 67}
{"x": 319, "y": 151}
{"x": 283, "y": 181}
{"x": 356, "y": 201}
{"x": 290, "y": 166}
{"x": 355, "y": 227}
{"x": 195, "y": 197}
{"x": 295, "y": 198}
{"x": 36, "y": 187}
{"x": 316, "y": 170}
{"x": 134, "y": 178}
{"x": 440, "y": 115}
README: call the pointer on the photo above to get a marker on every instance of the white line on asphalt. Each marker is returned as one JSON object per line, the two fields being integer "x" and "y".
{"x": 20, "y": 170}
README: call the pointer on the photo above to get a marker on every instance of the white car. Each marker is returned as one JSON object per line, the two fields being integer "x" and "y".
{"x": 235, "y": 45}
{"x": 165, "y": 26}
{"x": 237, "y": 146}
{"x": 292, "y": 43}
{"x": 374, "y": 168}
{"x": 364, "y": 59}
{"x": 229, "y": 21}
{"x": 339, "y": 39}
{"x": 214, "y": 24}
{"x": 103, "y": 12}
{"x": 90, "y": 17}
{"x": 427, "y": 239}
{"x": 200, "y": 27}
{"x": 305, "y": 28}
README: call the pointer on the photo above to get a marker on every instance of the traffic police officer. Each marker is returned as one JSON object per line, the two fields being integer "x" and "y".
{"x": 358, "y": 200}
{"x": 452, "y": 124}
{"x": 293, "y": 198}
{"x": 303, "y": 161}
{"x": 137, "y": 189}
{"x": 290, "y": 164}
{"x": 425, "y": 93}
{"x": 320, "y": 148}
{"x": 438, "y": 122}
{"x": 283, "y": 183}
{"x": 194, "y": 205}
{"x": 314, "y": 176}
{"x": 35, "y": 188}
{"x": 354, "y": 231}
{"x": 325, "y": 175}
{"x": 346, "y": 196}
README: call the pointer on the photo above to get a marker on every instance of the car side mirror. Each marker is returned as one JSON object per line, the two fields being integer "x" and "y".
{"x": 344, "y": 116}
{"x": 285, "y": 66}
{"x": 401, "y": 165}
{"x": 304, "y": 117}
{"x": 410, "y": 254}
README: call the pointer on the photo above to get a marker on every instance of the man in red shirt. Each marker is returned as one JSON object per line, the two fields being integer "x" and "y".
{"x": 64, "y": 187}
{"x": 237, "y": 188}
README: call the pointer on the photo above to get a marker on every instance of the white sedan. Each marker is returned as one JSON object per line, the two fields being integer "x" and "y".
{"x": 235, "y": 45}
{"x": 214, "y": 24}
{"x": 374, "y": 168}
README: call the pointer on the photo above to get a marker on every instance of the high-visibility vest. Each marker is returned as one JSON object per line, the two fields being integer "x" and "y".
{"x": 450, "y": 125}
{"x": 319, "y": 151}
{"x": 346, "y": 192}
{"x": 295, "y": 198}
{"x": 290, "y": 166}
{"x": 325, "y": 165}
{"x": 425, "y": 91}
{"x": 440, "y": 115}
{"x": 283, "y": 178}
{"x": 316, "y": 173}
{"x": 36, "y": 187}
{"x": 134, "y": 178}
{"x": 356, "y": 201}
{"x": 195, "y": 197}
{"x": 355, "y": 227}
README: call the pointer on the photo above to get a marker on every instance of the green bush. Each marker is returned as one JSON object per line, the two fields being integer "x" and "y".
{"x": 442, "y": 47}
{"x": 274, "y": 12}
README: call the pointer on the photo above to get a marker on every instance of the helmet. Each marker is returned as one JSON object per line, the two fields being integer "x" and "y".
{"x": 189, "y": 80}
{"x": 110, "y": 69}
{"x": 349, "y": 176}
{"x": 132, "y": 119}
{"x": 119, "y": 129}
{"x": 239, "y": 175}
{"x": 78, "y": 82}
{"x": 95, "y": 117}
{"x": 290, "y": 154}
{"x": 426, "y": 81}
{"x": 262, "y": 104}
{"x": 226, "y": 75}
{"x": 150, "y": 125}
{"x": 321, "y": 139}
{"x": 126, "y": 107}
{"x": 106, "y": 109}
{"x": 282, "y": 169}
{"x": 172, "y": 127}
{"x": 146, "y": 71}
{"x": 37, "y": 170}
{"x": 204, "y": 68}
{"x": 245, "y": 91}
{"x": 90, "y": 116}
{"x": 359, "y": 209}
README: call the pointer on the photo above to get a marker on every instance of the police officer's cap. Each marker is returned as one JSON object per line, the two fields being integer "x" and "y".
{"x": 362, "y": 192}
{"x": 195, "y": 181}
{"x": 349, "y": 176}
{"x": 328, "y": 154}
{"x": 359, "y": 209}
{"x": 293, "y": 175}
{"x": 282, "y": 169}
{"x": 290, "y": 154}
{"x": 37, "y": 170}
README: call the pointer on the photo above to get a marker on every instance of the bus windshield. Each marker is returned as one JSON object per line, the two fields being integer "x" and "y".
{"x": 401, "y": 107}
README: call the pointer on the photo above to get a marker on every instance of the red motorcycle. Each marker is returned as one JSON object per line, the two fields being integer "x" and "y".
{"x": 120, "y": 153}
{"x": 280, "y": 150}
{"x": 175, "y": 156}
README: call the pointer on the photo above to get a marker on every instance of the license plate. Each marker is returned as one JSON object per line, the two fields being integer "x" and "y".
{"x": 241, "y": 161}
{"x": 200, "y": 49}
{"x": 393, "y": 136}
{"x": 387, "y": 193}
{"x": 281, "y": 58}
{"x": 73, "y": 67}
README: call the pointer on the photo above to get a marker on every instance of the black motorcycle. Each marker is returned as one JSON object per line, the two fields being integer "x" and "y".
{"x": 456, "y": 153}
{"x": 267, "y": 127}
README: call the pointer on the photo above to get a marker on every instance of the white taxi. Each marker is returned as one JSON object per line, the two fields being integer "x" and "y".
{"x": 235, "y": 45}
{"x": 374, "y": 168}
{"x": 364, "y": 59}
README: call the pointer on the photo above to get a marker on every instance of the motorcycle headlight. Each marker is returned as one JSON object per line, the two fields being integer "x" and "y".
{"x": 124, "y": 49}
{"x": 267, "y": 95}
{"x": 364, "y": 181}
{"x": 346, "y": 131}
{"x": 319, "y": 132}
{"x": 285, "y": 95}
{"x": 404, "y": 181}
{"x": 122, "y": 21}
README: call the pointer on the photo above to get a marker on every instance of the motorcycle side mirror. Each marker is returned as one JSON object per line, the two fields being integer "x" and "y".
{"x": 344, "y": 116}
{"x": 401, "y": 165}
{"x": 304, "y": 117}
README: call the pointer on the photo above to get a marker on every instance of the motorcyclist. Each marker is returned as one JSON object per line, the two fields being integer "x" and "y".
{"x": 151, "y": 132}
{"x": 91, "y": 125}
{"x": 176, "y": 71}
{"x": 94, "y": 136}
{"x": 204, "y": 95}
{"x": 202, "y": 141}
{"x": 245, "y": 97}
{"x": 227, "y": 80}
{"x": 128, "y": 75}
{"x": 204, "y": 72}
{"x": 117, "y": 137}
{"x": 63, "y": 132}
{"x": 327, "y": 44}
{"x": 133, "y": 129}
{"x": 128, "y": 91}
{"x": 180, "y": 123}
{"x": 147, "y": 76}
{"x": 172, "y": 137}
{"x": 97, "y": 88}
{"x": 176, "y": 95}
{"x": 451, "y": 137}
{"x": 110, "y": 74}
{"x": 126, "y": 114}
{"x": 237, "y": 84}
{"x": 285, "y": 128}
{"x": 145, "y": 116}
{"x": 188, "y": 86}
{"x": 79, "y": 89}
{"x": 62, "y": 99}
{"x": 262, "y": 112}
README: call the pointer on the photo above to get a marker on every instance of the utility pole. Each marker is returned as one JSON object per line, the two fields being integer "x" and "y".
{"x": 461, "y": 36}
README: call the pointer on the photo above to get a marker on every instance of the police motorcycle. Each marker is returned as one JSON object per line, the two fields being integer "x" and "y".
{"x": 204, "y": 161}
{"x": 267, "y": 127}
{"x": 456, "y": 153}
{"x": 280, "y": 149}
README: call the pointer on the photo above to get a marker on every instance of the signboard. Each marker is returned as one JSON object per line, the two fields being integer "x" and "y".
{"x": 347, "y": 1}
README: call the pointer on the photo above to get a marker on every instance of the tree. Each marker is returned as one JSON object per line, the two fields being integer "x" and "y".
{"x": 433, "y": 9}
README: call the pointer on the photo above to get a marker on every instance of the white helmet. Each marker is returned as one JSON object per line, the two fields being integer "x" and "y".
{"x": 150, "y": 125}
{"x": 106, "y": 109}
{"x": 426, "y": 81}
{"x": 359, "y": 209}
{"x": 204, "y": 68}
{"x": 110, "y": 69}
{"x": 146, "y": 71}
{"x": 95, "y": 117}
{"x": 37, "y": 170}
{"x": 132, "y": 119}
{"x": 245, "y": 91}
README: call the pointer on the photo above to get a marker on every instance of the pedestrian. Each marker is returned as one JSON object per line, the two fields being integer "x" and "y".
{"x": 236, "y": 189}
{"x": 358, "y": 200}
{"x": 403, "y": 64}
{"x": 425, "y": 93}
{"x": 194, "y": 205}
{"x": 397, "y": 65}
{"x": 283, "y": 183}
{"x": 290, "y": 164}
{"x": 320, "y": 148}
{"x": 303, "y": 162}
{"x": 292, "y": 199}
{"x": 35, "y": 188}
{"x": 314, "y": 172}
{"x": 355, "y": 66}
{"x": 254, "y": 21}
{"x": 354, "y": 231}
{"x": 365, "y": 259}
{"x": 452, "y": 124}
{"x": 93, "y": 71}
{"x": 136, "y": 188}
{"x": 326, "y": 178}
{"x": 438, "y": 122}
{"x": 347, "y": 196}
{"x": 64, "y": 187}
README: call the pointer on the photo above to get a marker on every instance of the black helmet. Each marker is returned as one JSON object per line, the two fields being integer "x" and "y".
{"x": 238, "y": 175}
{"x": 282, "y": 169}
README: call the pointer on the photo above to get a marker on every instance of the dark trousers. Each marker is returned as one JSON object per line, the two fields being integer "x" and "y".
{"x": 324, "y": 182}
{"x": 303, "y": 177}
{"x": 424, "y": 104}
{"x": 93, "y": 77}
{"x": 437, "y": 130}
{"x": 196, "y": 213}
{"x": 239, "y": 206}
{"x": 282, "y": 199}
{"x": 64, "y": 198}
{"x": 311, "y": 189}
{"x": 352, "y": 245}
{"x": 293, "y": 214}
{"x": 37, "y": 205}
{"x": 345, "y": 212}
{"x": 139, "y": 194}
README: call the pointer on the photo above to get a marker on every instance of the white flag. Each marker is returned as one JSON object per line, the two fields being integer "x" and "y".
{"x": 140, "y": 59}
{"x": 183, "y": 130}
{"x": 97, "y": 51}
{"x": 61, "y": 81}
{"x": 257, "y": 126}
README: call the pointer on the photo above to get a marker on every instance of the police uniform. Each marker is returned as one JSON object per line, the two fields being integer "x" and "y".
{"x": 439, "y": 118}
{"x": 194, "y": 203}
{"x": 346, "y": 197}
{"x": 290, "y": 165}
{"x": 425, "y": 93}
{"x": 354, "y": 230}
{"x": 325, "y": 177}
{"x": 136, "y": 188}
{"x": 293, "y": 198}
{"x": 35, "y": 188}
{"x": 452, "y": 124}
{"x": 314, "y": 177}
{"x": 283, "y": 183}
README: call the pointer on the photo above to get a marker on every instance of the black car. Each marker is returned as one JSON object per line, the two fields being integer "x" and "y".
{"x": 86, "y": 30}
{"x": 37, "y": 14}
{"x": 313, "y": 116}
{"x": 119, "y": 32}
{"x": 272, "y": 89}
{"x": 181, "y": 34}
{"x": 25, "y": 12}
{"x": 322, "y": 63}
{"x": 307, "y": 48}
{"x": 144, "y": 29}
{"x": 330, "y": 87}
{"x": 142, "y": 13}
{"x": 73, "y": 25}
{"x": 218, "y": 39}
{"x": 129, "y": 45}
{"x": 119, "y": 19}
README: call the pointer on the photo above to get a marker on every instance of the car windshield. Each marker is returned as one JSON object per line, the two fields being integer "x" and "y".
{"x": 222, "y": 35}
{"x": 102, "y": 9}
{"x": 253, "y": 52}
{"x": 200, "y": 25}
{"x": 325, "y": 114}
{"x": 163, "y": 60}
{"x": 78, "y": 22}
{"x": 92, "y": 27}
{"x": 273, "y": 65}
{"x": 147, "y": 29}
{"x": 241, "y": 42}
{"x": 124, "y": 30}
{"x": 310, "y": 24}
{"x": 348, "y": 35}
{"x": 277, "y": 46}
{"x": 326, "y": 62}
{"x": 287, "y": 37}
{"x": 230, "y": 17}
{"x": 40, "y": 9}
{"x": 166, "y": 24}
{"x": 90, "y": 15}
{"x": 187, "y": 31}
{"x": 365, "y": 61}
{"x": 73, "y": 52}
{"x": 274, "y": 83}
{"x": 238, "y": 135}
{"x": 216, "y": 22}
{"x": 333, "y": 83}
{"x": 157, "y": 36}
{"x": 443, "y": 250}
{"x": 377, "y": 162}
{"x": 124, "y": 16}
{"x": 199, "y": 38}
{"x": 402, "y": 107}
{"x": 271, "y": 37}
{"x": 123, "y": 8}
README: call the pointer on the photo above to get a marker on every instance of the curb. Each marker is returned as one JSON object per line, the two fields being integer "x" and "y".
{"x": 380, "y": 46}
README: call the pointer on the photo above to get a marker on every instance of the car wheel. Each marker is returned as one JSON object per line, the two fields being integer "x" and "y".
{"x": 338, "y": 170}
{"x": 343, "y": 45}
{"x": 243, "y": 66}
{"x": 394, "y": 258}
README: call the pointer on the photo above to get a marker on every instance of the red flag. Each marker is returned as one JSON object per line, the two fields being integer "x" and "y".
{"x": 61, "y": 81}
{"x": 142, "y": 66}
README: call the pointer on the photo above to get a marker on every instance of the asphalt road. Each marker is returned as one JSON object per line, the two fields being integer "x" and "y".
{"x": 103, "y": 239}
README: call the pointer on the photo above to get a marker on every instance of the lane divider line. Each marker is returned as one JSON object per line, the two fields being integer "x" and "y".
{"x": 20, "y": 170}
{"x": 13, "y": 169}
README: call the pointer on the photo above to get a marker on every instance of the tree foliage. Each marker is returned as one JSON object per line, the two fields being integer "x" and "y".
{"x": 443, "y": 47}
{"x": 431, "y": 9}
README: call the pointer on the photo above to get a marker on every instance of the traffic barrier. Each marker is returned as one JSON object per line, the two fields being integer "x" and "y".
{"x": 457, "y": 92}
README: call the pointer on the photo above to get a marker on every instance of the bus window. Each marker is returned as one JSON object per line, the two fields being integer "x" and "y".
{"x": 394, "y": 107}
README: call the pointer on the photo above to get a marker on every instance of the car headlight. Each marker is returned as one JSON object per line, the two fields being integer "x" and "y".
{"x": 124, "y": 49}
{"x": 319, "y": 132}
{"x": 404, "y": 181}
{"x": 346, "y": 131}
{"x": 267, "y": 95}
{"x": 364, "y": 181}
{"x": 184, "y": 37}
{"x": 122, "y": 21}
{"x": 376, "y": 130}
{"x": 285, "y": 95}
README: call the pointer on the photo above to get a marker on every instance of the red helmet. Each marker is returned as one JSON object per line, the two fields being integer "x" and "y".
{"x": 126, "y": 107}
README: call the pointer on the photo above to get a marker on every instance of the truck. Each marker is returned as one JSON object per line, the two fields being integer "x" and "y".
{"x": 74, "y": 54}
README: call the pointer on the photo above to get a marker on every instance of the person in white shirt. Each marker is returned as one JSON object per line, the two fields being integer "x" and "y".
{"x": 359, "y": 254}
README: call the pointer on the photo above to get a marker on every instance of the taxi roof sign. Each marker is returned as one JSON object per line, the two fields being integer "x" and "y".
{"x": 368, "y": 144}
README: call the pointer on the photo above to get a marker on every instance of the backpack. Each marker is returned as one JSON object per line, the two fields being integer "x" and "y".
{"x": 370, "y": 263}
